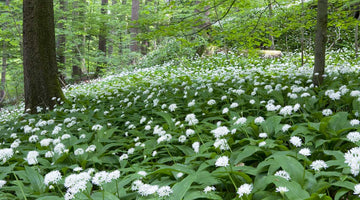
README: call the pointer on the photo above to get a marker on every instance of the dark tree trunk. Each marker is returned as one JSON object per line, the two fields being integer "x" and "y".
{"x": 320, "y": 42}
{"x": 134, "y": 46}
{"x": 41, "y": 82}
{"x": 302, "y": 35}
{"x": 110, "y": 48}
{"x": 102, "y": 39}
{"x": 121, "y": 46}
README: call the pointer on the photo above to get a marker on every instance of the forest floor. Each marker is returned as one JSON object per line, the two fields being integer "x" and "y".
{"x": 221, "y": 127}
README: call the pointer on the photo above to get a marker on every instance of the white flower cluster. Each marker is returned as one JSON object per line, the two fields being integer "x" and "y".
{"x": 147, "y": 189}
{"x": 352, "y": 158}
{"x": 100, "y": 178}
{"x": 76, "y": 183}
{"x": 52, "y": 177}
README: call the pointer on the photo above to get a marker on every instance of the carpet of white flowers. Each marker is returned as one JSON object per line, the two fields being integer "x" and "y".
{"x": 223, "y": 127}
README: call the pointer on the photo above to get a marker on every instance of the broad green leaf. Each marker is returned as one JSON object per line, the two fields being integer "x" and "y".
{"x": 295, "y": 190}
{"x": 167, "y": 118}
{"x": 238, "y": 156}
{"x": 180, "y": 188}
{"x": 104, "y": 195}
{"x": 36, "y": 180}
{"x": 270, "y": 124}
{"x": 201, "y": 195}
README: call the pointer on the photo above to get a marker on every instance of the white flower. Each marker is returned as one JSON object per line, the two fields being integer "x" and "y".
{"x": 166, "y": 137}
{"x": 65, "y": 136}
{"x": 244, "y": 189}
{"x": 296, "y": 141}
{"x": 352, "y": 158}
{"x": 123, "y": 157}
{"x": 283, "y": 174}
{"x": 209, "y": 189}
{"x": 190, "y": 132}
{"x": 196, "y": 146}
{"x": 52, "y": 177}
{"x": 263, "y": 135}
{"x": 79, "y": 151}
{"x": 59, "y": 148}
{"x": 282, "y": 190}
{"x": 96, "y": 127}
{"x": 220, "y": 131}
{"x": 287, "y": 110}
{"x": 225, "y": 110}
{"x": 318, "y": 164}
{"x": 45, "y": 142}
{"x": 154, "y": 153}
{"x": 142, "y": 173}
{"x": 31, "y": 157}
{"x": 100, "y": 178}
{"x": 357, "y": 189}
{"x": 211, "y": 102}
{"x": 182, "y": 138}
{"x": 261, "y": 144}
{"x": 353, "y": 136}
{"x": 91, "y": 148}
{"x": 49, "y": 154}
{"x": 354, "y": 122}
{"x": 33, "y": 138}
{"x": 2, "y": 183}
{"x": 76, "y": 183}
{"x": 252, "y": 101}
{"x": 191, "y": 103}
{"x": 222, "y": 144}
{"x": 172, "y": 107}
{"x": 259, "y": 120}
{"x": 191, "y": 119}
{"x": 164, "y": 191}
{"x": 327, "y": 112}
{"x": 234, "y": 105}
{"x": 179, "y": 175}
{"x": 241, "y": 120}
{"x": 222, "y": 161}
{"x": 285, "y": 127}
{"x": 305, "y": 151}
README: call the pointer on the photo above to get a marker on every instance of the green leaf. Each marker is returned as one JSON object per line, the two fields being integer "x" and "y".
{"x": 50, "y": 197}
{"x": 295, "y": 190}
{"x": 238, "y": 156}
{"x": 201, "y": 195}
{"x": 167, "y": 118}
{"x": 36, "y": 180}
{"x": 180, "y": 188}
{"x": 344, "y": 184}
{"x": 104, "y": 195}
{"x": 339, "y": 121}
{"x": 270, "y": 124}
{"x": 292, "y": 166}
{"x": 340, "y": 193}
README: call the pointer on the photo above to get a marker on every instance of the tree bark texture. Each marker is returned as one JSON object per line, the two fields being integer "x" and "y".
{"x": 134, "y": 30}
{"x": 41, "y": 82}
{"x": 61, "y": 38}
{"x": 4, "y": 66}
{"x": 271, "y": 37}
{"x": 102, "y": 38}
{"x": 320, "y": 42}
{"x": 79, "y": 48}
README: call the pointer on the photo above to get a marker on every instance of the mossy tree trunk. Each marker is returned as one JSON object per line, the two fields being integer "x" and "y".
{"x": 41, "y": 82}
{"x": 320, "y": 42}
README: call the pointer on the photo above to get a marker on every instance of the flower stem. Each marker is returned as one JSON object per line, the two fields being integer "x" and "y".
{"x": 18, "y": 183}
{"x": 57, "y": 186}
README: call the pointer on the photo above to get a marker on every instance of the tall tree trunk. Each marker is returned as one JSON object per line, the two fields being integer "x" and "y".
{"x": 271, "y": 37}
{"x": 61, "y": 42}
{"x": 4, "y": 66}
{"x": 102, "y": 39}
{"x": 134, "y": 30}
{"x": 79, "y": 47}
{"x": 320, "y": 42}
{"x": 302, "y": 34}
{"x": 121, "y": 46}
{"x": 357, "y": 38}
{"x": 110, "y": 48}
{"x": 41, "y": 82}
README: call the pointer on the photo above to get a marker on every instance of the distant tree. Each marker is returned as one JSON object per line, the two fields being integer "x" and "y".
{"x": 4, "y": 66}
{"x": 102, "y": 38}
{"x": 61, "y": 41}
{"x": 42, "y": 88}
{"x": 134, "y": 30}
{"x": 320, "y": 42}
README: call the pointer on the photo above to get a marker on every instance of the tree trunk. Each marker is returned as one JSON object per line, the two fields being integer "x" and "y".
{"x": 271, "y": 37}
{"x": 302, "y": 35}
{"x": 134, "y": 46}
{"x": 320, "y": 42}
{"x": 61, "y": 39}
{"x": 357, "y": 38}
{"x": 113, "y": 33}
{"x": 79, "y": 48}
{"x": 102, "y": 39}
{"x": 41, "y": 84}
{"x": 4, "y": 66}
